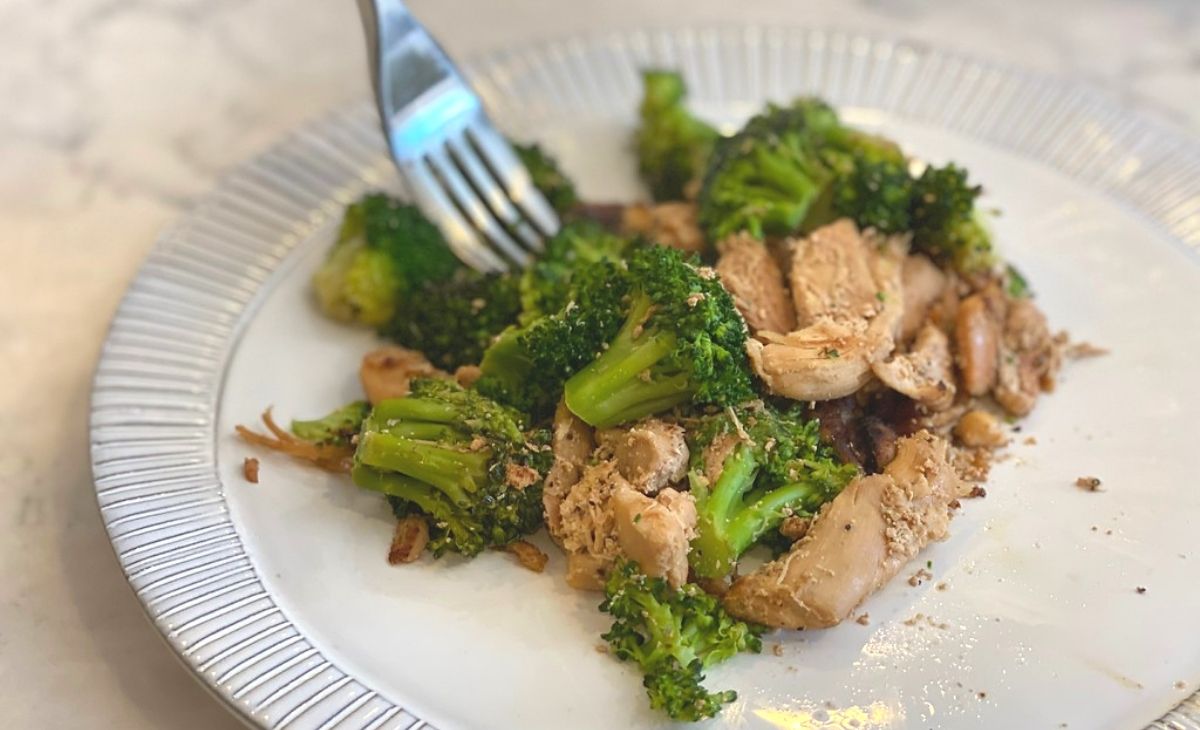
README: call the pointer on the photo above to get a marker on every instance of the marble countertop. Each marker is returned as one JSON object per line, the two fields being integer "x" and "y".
{"x": 118, "y": 113}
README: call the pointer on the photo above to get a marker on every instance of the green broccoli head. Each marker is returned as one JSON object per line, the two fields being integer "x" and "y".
{"x": 681, "y": 341}
{"x": 335, "y": 429}
{"x": 546, "y": 284}
{"x": 384, "y": 250}
{"x": 673, "y": 635}
{"x": 458, "y": 458}
{"x": 527, "y": 366}
{"x": 672, "y": 145}
{"x": 945, "y": 220}
{"x": 548, "y": 177}
{"x": 874, "y": 193}
{"x": 453, "y": 321}
{"x": 770, "y": 176}
{"x": 777, "y": 468}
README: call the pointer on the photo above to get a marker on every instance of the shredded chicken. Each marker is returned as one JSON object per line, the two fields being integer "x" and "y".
{"x": 650, "y": 454}
{"x": 848, "y": 298}
{"x": 655, "y": 533}
{"x": 587, "y": 524}
{"x": 978, "y": 428}
{"x": 387, "y": 372}
{"x": 520, "y": 476}
{"x": 328, "y": 457}
{"x": 669, "y": 224}
{"x": 857, "y": 543}
{"x": 926, "y": 373}
{"x": 713, "y": 458}
{"x": 753, "y": 278}
{"x": 572, "y": 444}
{"x": 1029, "y": 358}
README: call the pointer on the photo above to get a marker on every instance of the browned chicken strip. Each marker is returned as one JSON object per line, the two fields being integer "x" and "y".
{"x": 753, "y": 278}
{"x": 857, "y": 543}
{"x": 650, "y": 454}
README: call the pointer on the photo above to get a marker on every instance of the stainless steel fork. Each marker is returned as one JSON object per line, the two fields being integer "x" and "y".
{"x": 462, "y": 172}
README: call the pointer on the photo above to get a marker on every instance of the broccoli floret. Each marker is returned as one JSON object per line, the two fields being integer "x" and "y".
{"x": 451, "y": 454}
{"x": 674, "y": 635}
{"x": 768, "y": 177}
{"x": 681, "y": 341}
{"x": 336, "y": 429}
{"x": 778, "y": 467}
{"x": 384, "y": 250}
{"x": 945, "y": 221}
{"x": 672, "y": 145}
{"x": 875, "y": 194}
{"x": 548, "y": 177}
{"x": 527, "y": 366}
{"x": 455, "y": 320}
{"x": 546, "y": 284}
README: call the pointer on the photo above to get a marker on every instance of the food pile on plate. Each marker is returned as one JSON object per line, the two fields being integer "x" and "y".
{"x": 806, "y": 348}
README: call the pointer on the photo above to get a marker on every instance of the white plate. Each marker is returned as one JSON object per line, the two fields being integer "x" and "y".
{"x": 278, "y": 595}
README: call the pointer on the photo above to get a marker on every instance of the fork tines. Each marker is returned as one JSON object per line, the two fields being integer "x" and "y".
{"x": 474, "y": 186}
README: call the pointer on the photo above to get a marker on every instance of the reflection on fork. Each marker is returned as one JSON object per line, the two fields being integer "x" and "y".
{"x": 462, "y": 172}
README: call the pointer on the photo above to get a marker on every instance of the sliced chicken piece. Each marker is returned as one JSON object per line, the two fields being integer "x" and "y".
{"x": 669, "y": 224}
{"x": 1030, "y": 357}
{"x": 650, "y": 454}
{"x": 656, "y": 533}
{"x": 977, "y": 343}
{"x": 843, "y": 274}
{"x": 923, "y": 283}
{"x": 750, "y": 273}
{"x": 857, "y": 543}
{"x": 926, "y": 373}
{"x": 846, "y": 288}
{"x": 386, "y": 372}
{"x": 572, "y": 444}
{"x": 824, "y": 361}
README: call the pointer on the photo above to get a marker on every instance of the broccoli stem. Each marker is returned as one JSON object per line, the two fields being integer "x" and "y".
{"x": 415, "y": 409}
{"x": 719, "y": 540}
{"x": 424, "y": 431}
{"x": 621, "y": 385}
{"x": 433, "y": 503}
{"x": 732, "y": 518}
{"x": 455, "y": 472}
{"x": 767, "y": 510}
